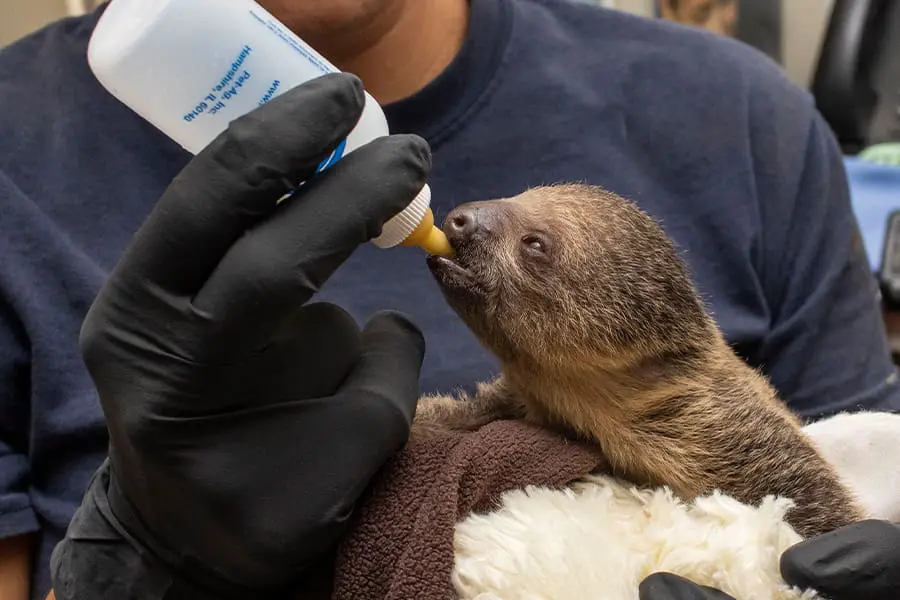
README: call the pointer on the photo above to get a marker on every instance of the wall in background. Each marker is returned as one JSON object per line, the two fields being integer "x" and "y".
{"x": 638, "y": 7}
{"x": 803, "y": 24}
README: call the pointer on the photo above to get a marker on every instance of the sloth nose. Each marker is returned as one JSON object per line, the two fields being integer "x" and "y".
{"x": 460, "y": 224}
{"x": 466, "y": 221}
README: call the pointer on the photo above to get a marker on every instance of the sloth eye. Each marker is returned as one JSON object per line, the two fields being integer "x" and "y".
{"x": 534, "y": 243}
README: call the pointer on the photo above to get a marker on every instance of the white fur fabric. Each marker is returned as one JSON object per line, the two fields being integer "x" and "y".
{"x": 863, "y": 447}
{"x": 598, "y": 538}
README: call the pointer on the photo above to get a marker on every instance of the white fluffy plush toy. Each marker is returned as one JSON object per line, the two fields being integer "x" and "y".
{"x": 599, "y": 538}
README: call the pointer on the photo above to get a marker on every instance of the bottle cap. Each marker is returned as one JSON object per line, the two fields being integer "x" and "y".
{"x": 414, "y": 226}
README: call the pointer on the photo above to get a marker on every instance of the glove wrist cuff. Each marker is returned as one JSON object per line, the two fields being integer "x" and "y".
{"x": 100, "y": 558}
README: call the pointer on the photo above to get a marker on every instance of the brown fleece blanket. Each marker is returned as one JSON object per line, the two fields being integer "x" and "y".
{"x": 401, "y": 544}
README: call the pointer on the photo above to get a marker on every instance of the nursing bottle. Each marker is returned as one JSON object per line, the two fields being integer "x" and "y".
{"x": 190, "y": 67}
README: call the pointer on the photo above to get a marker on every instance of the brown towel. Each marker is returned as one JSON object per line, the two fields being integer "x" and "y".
{"x": 401, "y": 545}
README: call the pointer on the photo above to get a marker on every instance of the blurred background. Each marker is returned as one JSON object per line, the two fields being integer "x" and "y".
{"x": 846, "y": 52}
{"x": 790, "y": 31}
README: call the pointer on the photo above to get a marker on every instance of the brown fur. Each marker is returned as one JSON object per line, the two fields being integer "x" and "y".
{"x": 601, "y": 333}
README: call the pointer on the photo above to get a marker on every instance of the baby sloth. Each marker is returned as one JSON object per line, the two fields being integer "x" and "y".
{"x": 601, "y": 333}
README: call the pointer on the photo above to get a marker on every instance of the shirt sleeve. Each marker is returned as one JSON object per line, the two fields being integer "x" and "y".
{"x": 827, "y": 349}
{"x": 16, "y": 514}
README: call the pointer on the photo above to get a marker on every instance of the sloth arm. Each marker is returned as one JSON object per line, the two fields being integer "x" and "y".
{"x": 491, "y": 402}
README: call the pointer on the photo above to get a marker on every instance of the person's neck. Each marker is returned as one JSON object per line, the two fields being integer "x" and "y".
{"x": 400, "y": 50}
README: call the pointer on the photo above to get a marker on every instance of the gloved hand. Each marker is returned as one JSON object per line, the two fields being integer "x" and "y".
{"x": 856, "y": 562}
{"x": 668, "y": 586}
{"x": 244, "y": 424}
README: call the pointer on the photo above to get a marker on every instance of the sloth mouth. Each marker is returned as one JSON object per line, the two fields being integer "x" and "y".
{"x": 441, "y": 263}
{"x": 459, "y": 284}
{"x": 449, "y": 272}
{"x": 454, "y": 276}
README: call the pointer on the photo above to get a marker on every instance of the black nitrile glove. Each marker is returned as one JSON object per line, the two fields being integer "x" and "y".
{"x": 856, "y": 562}
{"x": 667, "y": 586}
{"x": 244, "y": 424}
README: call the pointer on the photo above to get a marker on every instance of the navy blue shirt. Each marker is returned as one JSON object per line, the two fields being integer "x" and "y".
{"x": 704, "y": 133}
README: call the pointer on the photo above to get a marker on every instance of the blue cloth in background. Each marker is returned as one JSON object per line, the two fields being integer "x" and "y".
{"x": 874, "y": 194}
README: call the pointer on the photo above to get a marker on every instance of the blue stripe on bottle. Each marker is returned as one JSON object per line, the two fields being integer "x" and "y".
{"x": 334, "y": 158}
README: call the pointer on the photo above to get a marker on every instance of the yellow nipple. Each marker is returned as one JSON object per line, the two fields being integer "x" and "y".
{"x": 430, "y": 238}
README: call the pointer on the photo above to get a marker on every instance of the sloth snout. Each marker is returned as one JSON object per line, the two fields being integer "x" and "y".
{"x": 468, "y": 222}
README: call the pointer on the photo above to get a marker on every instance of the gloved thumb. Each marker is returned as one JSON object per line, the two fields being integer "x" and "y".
{"x": 391, "y": 352}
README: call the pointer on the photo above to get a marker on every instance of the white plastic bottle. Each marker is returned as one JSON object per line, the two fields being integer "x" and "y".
{"x": 190, "y": 67}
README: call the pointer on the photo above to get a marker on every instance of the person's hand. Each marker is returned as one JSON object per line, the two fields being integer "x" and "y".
{"x": 244, "y": 424}
{"x": 668, "y": 586}
{"x": 856, "y": 562}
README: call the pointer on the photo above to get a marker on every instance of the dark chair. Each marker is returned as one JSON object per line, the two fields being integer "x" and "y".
{"x": 856, "y": 83}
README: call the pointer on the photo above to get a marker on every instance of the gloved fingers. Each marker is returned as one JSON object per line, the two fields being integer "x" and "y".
{"x": 861, "y": 560}
{"x": 384, "y": 386}
{"x": 237, "y": 180}
{"x": 321, "y": 342}
{"x": 279, "y": 264}
{"x": 310, "y": 356}
{"x": 668, "y": 586}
